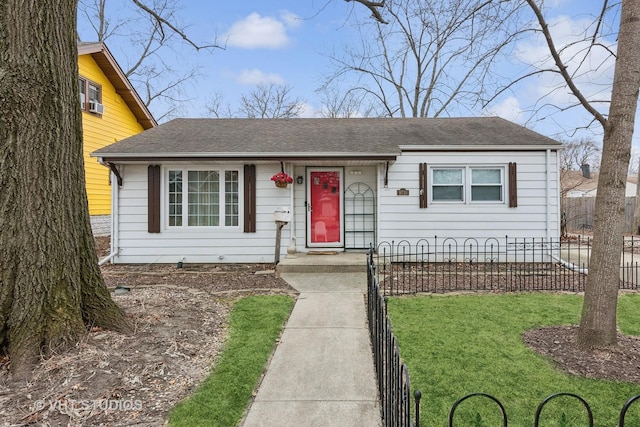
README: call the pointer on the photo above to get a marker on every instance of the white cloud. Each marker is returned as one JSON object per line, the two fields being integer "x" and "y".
{"x": 255, "y": 31}
{"x": 308, "y": 111}
{"x": 291, "y": 19}
{"x": 254, "y": 76}
{"x": 592, "y": 72}
{"x": 508, "y": 109}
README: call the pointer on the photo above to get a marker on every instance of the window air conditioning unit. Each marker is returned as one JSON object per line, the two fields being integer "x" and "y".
{"x": 96, "y": 107}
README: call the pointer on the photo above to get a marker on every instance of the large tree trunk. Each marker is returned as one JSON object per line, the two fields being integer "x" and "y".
{"x": 51, "y": 288}
{"x": 598, "y": 323}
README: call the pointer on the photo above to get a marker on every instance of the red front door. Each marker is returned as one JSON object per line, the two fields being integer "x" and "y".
{"x": 324, "y": 212}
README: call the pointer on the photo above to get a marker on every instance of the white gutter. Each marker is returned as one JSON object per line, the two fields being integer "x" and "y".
{"x": 260, "y": 154}
{"x": 475, "y": 147}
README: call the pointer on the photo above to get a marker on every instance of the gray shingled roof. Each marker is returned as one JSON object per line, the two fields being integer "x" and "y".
{"x": 363, "y": 137}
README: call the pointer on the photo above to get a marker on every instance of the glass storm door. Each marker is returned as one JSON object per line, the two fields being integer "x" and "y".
{"x": 325, "y": 207}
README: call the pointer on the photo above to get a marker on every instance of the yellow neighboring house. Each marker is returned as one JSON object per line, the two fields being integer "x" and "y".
{"x": 111, "y": 111}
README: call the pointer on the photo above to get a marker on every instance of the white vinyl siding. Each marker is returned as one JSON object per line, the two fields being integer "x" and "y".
{"x": 537, "y": 215}
{"x": 223, "y": 244}
{"x": 398, "y": 215}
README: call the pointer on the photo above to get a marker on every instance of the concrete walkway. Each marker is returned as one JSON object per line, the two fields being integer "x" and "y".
{"x": 321, "y": 373}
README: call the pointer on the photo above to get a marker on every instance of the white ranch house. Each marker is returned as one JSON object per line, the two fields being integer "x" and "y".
{"x": 200, "y": 190}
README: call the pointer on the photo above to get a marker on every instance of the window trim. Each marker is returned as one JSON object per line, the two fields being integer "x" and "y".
{"x": 463, "y": 184}
{"x": 467, "y": 185}
{"x": 222, "y": 202}
{"x": 501, "y": 185}
{"x": 83, "y": 89}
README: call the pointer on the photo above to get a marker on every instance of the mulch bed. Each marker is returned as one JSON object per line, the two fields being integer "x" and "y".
{"x": 180, "y": 319}
{"x": 559, "y": 344}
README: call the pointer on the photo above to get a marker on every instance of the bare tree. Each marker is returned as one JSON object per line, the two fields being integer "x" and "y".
{"x": 217, "y": 107}
{"x": 51, "y": 288}
{"x": 432, "y": 58}
{"x": 578, "y": 160}
{"x": 338, "y": 104}
{"x": 598, "y": 324}
{"x": 153, "y": 32}
{"x": 576, "y": 153}
{"x": 271, "y": 101}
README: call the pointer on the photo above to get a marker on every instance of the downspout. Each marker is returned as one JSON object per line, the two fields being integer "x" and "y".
{"x": 571, "y": 266}
{"x": 292, "y": 248}
{"x": 548, "y": 183}
{"x": 115, "y": 203}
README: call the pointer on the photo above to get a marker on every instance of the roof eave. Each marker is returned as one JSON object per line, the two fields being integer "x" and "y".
{"x": 466, "y": 147}
{"x": 97, "y": 153}
{"x": 119, "y": 80}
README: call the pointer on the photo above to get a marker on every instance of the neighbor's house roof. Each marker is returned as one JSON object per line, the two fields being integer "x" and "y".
{"x": 574, "y": 184}
{"x": 321, "y": 138}
{"x": 118, "y": 79}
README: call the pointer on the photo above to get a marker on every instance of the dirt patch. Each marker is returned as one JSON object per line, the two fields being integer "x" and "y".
{"x": 180, "y": 318}
{"x": 559, "y": 344}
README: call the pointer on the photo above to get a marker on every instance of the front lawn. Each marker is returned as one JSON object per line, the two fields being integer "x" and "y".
{"x": 456, "y": 345}
{"x": 223, "y": 397}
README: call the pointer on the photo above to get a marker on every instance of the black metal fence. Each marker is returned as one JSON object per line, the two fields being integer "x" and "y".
{"x": 439, "y": 265}
{"x": 394, "y": 385}
{"x": 622, "y": 419}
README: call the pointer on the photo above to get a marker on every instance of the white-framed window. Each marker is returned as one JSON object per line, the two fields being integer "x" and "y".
{"x": 203, "y": 198}
{"x": 448, "y": 184}
{"x": 487, "y": 184}
{"x": 90, "y": 95}
{"x": 467, "y": 184}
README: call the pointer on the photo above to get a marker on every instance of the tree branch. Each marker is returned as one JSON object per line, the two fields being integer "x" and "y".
{"x": 373, "y": 7}
{"x": 562, "y": 68}
{"x": 163, "y": 22}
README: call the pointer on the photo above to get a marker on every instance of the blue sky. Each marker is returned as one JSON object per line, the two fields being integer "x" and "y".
{"x": 290, "y": 41}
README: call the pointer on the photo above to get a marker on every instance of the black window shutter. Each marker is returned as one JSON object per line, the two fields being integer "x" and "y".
{"x": 249, "y": 198}
{"x": 423, "y": 185}
{"x": 153, "y": 208}
{"x": 513, "y": 185}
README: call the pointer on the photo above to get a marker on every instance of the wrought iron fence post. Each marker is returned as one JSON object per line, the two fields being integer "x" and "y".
{"x": 418, "y": 395}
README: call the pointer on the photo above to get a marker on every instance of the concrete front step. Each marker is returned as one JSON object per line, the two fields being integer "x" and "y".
{"x": 324, "y": 262}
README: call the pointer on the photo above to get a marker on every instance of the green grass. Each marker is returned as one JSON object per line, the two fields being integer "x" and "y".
{"x": 456, "y": 345}
{"x": 254, "y": 325}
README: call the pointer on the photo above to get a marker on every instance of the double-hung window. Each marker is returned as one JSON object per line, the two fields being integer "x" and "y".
{"x": 467, "y": 184}
{"x": 448, "y": 184}
{"x": 486, "y": 185}
{"x": 203, "y": 198}
{"x": 90, "y": 95}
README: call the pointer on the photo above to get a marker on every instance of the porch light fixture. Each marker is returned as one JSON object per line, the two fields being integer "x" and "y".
{"x": 299, "y": 180}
